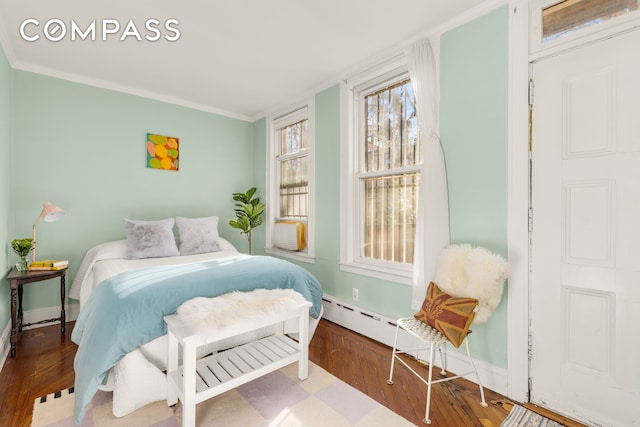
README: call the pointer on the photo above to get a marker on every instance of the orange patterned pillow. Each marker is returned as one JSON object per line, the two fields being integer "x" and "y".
{"x": 450, "y": 315}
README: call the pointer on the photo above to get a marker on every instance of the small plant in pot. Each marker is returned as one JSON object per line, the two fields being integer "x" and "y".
{"x": 22, "y": 247}
{"x": 248, "y": 211}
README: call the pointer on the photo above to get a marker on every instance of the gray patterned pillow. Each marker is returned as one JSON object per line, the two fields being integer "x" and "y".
{"x": 198, "y": 235}
{"x": 150, "y": 239}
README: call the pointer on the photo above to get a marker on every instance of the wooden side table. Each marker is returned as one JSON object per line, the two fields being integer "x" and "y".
{"x": 16, "y": 280}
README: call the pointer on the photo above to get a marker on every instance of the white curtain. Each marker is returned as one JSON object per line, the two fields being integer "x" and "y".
{"x": 432, "y": 228}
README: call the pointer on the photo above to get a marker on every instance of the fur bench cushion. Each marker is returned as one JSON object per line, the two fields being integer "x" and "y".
{"x": 228, "y": 309}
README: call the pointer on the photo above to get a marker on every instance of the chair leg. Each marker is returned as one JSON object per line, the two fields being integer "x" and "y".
{"x": 426, "y": 419}
{"x": 443, "y": 362}
{"x": 393, "y": 356}
{"x": 483, "y": 403}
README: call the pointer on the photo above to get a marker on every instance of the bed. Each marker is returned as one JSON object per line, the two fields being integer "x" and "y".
{"x": 120, "y": 332}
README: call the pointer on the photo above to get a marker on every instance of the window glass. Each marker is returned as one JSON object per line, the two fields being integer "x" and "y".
{"x": 391, "y": 128}
{"x": 569, "y": 16}
{"x": 390, "y": 217}
{"x": 294, "y": 137}
{"x": 294, "y": 187}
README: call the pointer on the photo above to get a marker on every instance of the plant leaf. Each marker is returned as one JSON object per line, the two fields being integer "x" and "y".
{"x": 250, "y": 193}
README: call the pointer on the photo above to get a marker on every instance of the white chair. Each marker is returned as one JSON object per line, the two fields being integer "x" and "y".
{"x": 462, "y": 271}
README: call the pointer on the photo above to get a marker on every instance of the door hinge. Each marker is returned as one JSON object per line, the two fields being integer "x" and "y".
{"x": 530, "y": 219}
{"x": 529, "y": 347}
{"x": 530, "y": 92}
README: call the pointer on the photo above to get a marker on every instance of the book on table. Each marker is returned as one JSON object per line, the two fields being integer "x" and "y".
{"x": 50, "y": 263}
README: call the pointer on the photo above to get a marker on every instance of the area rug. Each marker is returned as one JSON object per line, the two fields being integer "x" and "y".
{"x": 278, "y": 399}
{"x": 520, "y": 416}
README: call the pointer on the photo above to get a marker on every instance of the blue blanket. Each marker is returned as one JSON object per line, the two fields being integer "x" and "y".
{"x": 127, "y": 310}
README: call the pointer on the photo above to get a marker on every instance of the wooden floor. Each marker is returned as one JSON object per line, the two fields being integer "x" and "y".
{"x": 364, "y": 364}
{"x": 44, "y": 364}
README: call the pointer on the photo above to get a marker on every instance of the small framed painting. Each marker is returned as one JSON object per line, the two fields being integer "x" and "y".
{"x": 163, "y": 152}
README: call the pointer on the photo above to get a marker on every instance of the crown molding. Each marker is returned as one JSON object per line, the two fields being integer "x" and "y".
{"x": 104, "y": 84}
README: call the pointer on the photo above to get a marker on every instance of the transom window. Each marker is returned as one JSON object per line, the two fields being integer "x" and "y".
{"x": 569, "y": 16}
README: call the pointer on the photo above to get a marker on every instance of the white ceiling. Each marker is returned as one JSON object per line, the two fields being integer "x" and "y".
{"x": 239, "y": 58}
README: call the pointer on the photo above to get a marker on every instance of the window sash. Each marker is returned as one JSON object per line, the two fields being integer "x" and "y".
{"x": 389, "y": 209}
{"x": 294, "y": 187}
{"x": 389, "y": 179}
{"x": 294, "y": 137}
{"x": 390, "y": 128}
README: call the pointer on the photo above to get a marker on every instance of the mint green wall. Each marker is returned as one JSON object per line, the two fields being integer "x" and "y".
{"x": 259, "y": 173}
{"x": 473, "y": 131}
{"x": 5, "y": 182}
{"x": 83, "y": 149}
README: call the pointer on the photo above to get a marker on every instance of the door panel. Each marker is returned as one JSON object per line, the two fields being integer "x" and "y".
{"x": 585, "y": 281}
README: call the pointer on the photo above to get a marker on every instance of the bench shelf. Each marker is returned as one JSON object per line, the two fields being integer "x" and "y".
{"x": 200, "y": 379}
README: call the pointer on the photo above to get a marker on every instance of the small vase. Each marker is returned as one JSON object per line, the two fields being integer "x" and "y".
{"x": 23, "y": 265}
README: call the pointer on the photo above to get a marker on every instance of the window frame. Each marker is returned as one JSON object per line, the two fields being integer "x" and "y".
{"x": 352, "y": 93}
{"x": 275, "y": 122}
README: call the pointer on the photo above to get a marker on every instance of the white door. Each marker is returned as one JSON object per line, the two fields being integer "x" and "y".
{"x": 585, "y": 282}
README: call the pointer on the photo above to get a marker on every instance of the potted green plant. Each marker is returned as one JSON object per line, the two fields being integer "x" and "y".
{"x": 248, "y": 211}
{"x": 22, "y": 247}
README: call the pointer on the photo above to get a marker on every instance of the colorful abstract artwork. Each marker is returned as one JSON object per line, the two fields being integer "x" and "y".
{"x": 162, "y": 152}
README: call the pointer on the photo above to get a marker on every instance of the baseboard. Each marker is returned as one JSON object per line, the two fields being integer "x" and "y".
{"x": 35, "y": 315}
{"x": 30, "y": 316}
{"x": 383, "y": 329}
{"x": 5, "y": 345}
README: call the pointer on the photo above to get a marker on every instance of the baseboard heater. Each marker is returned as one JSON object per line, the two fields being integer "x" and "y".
{"x": 382, "y": 329}
{"x": 372, "y": 325}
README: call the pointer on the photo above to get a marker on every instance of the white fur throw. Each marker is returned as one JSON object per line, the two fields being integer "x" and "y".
{"x": 465, "y": 271}
{"x": 227, "y": 309}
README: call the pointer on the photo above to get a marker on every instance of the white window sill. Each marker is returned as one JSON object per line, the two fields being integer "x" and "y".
{"x": 399, "y": 276}
{"x": 297, "y": 256}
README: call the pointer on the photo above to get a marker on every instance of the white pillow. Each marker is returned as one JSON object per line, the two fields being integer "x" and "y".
{"x": 150, "y": 239}
{"x": 198, "y": 235}
{"x": 137, "y": 382}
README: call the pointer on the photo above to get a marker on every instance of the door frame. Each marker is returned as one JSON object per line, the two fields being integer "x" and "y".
{"x": 520, "y": 59}
{"x": 518, "y": 202}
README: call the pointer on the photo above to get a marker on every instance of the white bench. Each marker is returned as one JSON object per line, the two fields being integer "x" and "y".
{"x": 200, "y": 379}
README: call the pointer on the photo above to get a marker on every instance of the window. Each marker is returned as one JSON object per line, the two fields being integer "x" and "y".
{"x": 557, "y": 25}
{"x": 569, "y": 16}
{"x": 293, "y": 159}
{"x": 380, "y": 137}
{"x": 290, "y": 161}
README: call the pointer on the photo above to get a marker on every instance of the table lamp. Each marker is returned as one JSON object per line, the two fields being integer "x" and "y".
{"x": 50, "y": 213}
